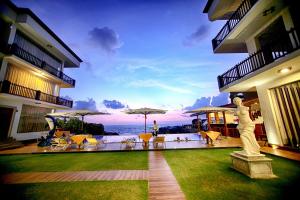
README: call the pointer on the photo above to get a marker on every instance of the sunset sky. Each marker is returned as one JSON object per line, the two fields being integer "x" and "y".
{"x": 152, "y": 53}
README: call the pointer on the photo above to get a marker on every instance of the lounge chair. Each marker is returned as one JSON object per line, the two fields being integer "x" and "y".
{"x": 129, "y": 142}
{"x": 159, "y": 139}
{"x": 59, "y": 144}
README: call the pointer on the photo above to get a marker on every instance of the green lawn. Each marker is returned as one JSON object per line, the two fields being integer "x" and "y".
{"x": 108, "y": 190}
{"x": 74, "y": 162}
{"x": 206, "y": 174}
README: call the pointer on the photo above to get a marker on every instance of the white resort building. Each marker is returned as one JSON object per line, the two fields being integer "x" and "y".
{"x": 32, "y": 62}
{"x": 268, "y": 30}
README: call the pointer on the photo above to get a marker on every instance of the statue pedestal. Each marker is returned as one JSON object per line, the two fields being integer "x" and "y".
{"x": 254, "y": 166}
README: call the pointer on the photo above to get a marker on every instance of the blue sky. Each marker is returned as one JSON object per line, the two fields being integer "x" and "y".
{"x": 138, "y": 53}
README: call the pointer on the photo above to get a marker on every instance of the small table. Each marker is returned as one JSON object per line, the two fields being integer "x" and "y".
{"x": 212, "y": 135}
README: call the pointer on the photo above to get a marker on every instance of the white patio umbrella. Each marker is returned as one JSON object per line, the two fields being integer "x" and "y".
{"x": 78, "y": 113}
{"x": 212, "y": 109}
{"x": 145, "y": 112}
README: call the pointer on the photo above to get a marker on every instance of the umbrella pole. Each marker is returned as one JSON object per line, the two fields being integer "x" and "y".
{"x": 145, "y": 122}
{"x": 82, "y": 116}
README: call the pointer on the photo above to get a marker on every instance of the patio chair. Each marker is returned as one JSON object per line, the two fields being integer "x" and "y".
{"x": 159, "y": 139}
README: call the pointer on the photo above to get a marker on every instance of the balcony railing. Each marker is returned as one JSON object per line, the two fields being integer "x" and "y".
{"x": 235, "y": 18}
{"x": 18, "y": 90}
{"x": 18, "y": 51}
{"x": 270, "y": 53}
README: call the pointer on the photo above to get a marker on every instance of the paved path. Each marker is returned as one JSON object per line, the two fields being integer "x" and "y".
{"x": 162, "y": 182}
{"x": 38, "y": 177}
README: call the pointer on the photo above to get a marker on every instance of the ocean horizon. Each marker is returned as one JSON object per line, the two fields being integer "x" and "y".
{"x": 135, "y": 129}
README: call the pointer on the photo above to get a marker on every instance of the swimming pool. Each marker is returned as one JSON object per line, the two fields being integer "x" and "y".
{"x": 168, "y": 137}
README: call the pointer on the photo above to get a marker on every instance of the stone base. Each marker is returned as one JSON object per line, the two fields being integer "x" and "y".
{"x": 254, "y": 166}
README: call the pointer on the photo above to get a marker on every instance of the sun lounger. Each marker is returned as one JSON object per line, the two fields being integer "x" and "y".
{"x": 129, "y": 142}
{"x": 59, "y": 144}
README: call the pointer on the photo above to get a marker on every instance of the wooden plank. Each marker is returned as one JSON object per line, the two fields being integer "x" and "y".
{"x": 162, "y": 182}
{"x": 37, "y": 177}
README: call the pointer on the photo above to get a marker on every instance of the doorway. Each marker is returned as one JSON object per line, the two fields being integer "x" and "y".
{"x": 6, "y": 118}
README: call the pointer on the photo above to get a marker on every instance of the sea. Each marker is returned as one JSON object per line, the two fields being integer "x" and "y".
{"x": 134, "y": 129}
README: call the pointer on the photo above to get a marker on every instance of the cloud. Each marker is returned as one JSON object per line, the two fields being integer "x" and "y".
{"x": 105, "y": 38}
{"x": 197, "y": 36}
{"x": 203, "y": 101}
{"x": 220, "y": 99}
{"x": 67, "y": 97}
{"x": 90, "y": 104}
{"x": 157, "y": 84}
{"x": 114, "y": 104}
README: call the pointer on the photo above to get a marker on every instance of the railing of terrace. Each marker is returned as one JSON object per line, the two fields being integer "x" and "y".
{"x": 235, "y": 18}
{"x": 11, "y": 88}
{"x": 18, "y": 51}
{"x": 262, "y": 58}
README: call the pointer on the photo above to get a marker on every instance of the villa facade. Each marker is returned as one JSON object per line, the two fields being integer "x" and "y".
{"x": 268, "y": 30}
{"x": 32, "y": 63}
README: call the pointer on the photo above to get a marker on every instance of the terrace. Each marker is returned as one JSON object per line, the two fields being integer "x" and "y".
{"x": 10, "y": 88}
{"x": 27, "y": 50}
{"x": 233, "y": 21}
{"x": 262, "y": 58}
{"x": 173, "y": 174}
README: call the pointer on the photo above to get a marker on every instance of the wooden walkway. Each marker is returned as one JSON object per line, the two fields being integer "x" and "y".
{"x": 39, "y": 177}
{"x": 162, "y": 182}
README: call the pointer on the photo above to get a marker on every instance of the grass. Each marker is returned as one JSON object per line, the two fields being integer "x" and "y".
{"x": 74, "y": 162}
{"x": 108, "y": 190}
{"x": 206, "y": 174}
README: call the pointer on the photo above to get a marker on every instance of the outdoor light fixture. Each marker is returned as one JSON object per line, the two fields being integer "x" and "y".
{"x": 285, "y": 70}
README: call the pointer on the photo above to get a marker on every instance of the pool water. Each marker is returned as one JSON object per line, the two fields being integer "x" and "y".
{"x": 168, "y": 137}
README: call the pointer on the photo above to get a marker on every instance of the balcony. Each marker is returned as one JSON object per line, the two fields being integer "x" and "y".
{"x": 34, "y": 60}
{"x": 235, "y": 18}
{"x": 18, "y": 90}
{"x": 263, "y": 57}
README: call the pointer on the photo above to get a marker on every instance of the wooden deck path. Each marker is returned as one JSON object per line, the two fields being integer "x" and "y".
{"x": 39, "y": 177}
{"x": 162, "y": 182}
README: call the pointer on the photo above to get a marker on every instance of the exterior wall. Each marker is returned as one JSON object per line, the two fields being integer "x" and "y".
{"x": 252, "y": 44}
{"x": 273, "y": 125}
{"x": 17, "y": 105}
{"x": 22, "y": 77}
{"x": 28, "y": 23}
{"x": 272, "y": 119}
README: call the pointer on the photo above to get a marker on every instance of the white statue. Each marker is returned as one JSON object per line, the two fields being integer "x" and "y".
{"x": 246, "y": 129}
